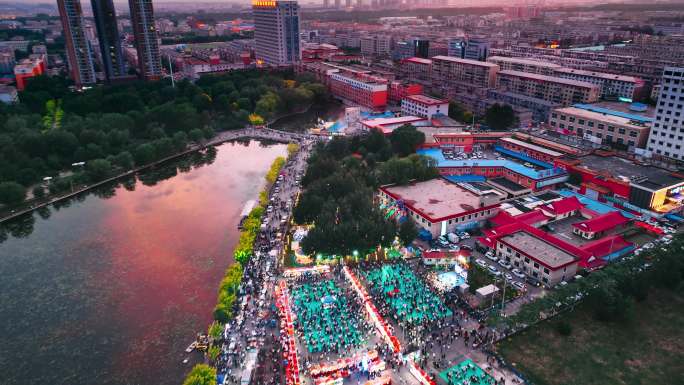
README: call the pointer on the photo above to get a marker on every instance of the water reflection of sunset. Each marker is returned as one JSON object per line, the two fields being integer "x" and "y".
{"x": 151, "y": 260}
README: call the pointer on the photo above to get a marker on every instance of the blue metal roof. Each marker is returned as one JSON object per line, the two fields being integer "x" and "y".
{"x": 465, "y": 178}
{"x": 593, "y": 204}
{"x": 436, "y": 153}
{"x": 607, "y": 111}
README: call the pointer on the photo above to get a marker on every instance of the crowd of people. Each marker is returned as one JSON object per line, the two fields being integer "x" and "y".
{"x": 327, "y": 319}
{"x": 412, "y": 302}
{"x": 467, "y": 373}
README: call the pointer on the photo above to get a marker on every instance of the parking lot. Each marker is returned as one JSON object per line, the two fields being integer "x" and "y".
{"x": 500, "y": 271}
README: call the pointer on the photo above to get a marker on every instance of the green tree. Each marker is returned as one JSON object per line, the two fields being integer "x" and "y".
{"x": 144, "y": 153}
{"x": 12, "y": 193}
{"x": 124, "y": 159}
{"x": 500, "y": 117}
{"x": 608, "y": 303}
{"x": 215, "y": 330}
{"x": 457, "y": 112}
{"x": 407, "y": 232}
{"x": 201, "y": 374}
{"x": 406, "y": 139}
{"x": 98, "y": 169}
{"x": 38, "y": 191}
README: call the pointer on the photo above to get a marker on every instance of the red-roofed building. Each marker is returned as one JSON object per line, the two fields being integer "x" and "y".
{"x": 605, "y": 248}
{"x": 545, "y": 256}
{"x": 563, "y": 208}
{"x": 598, "y": 226}
{"x": 534, "y": 218}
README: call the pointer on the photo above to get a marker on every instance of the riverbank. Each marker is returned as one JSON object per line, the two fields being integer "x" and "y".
{"x": 249, "y": 133}
{"x": 242, "y": 254}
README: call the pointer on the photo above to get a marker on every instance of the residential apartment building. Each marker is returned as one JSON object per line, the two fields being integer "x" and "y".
{"x": 611, "y": 85}
{"x": 667, "y": 135}
{"x": 609, "y": 126}
{"x": 557, "y": 90}
{"x": 417, "y": 69}
{"x": 277, "y": 32}
{"x": 78, "y": 53}
{"x": 375, "y": 45}
{"x": 146, "y": 39}
{"x": 471, "y": 49}
{"x": 109, "y": 39}
{"x": 524, "y": 65}
{"x": 363, "y": 89}
{"x": 424, "y": 106}
{"x": 452, "y": 74}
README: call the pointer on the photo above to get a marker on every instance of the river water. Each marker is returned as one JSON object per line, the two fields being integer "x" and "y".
{"x": 110, "y": 287}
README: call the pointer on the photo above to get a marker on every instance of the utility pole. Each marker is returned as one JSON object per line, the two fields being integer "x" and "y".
{"x": 503, "y": 297}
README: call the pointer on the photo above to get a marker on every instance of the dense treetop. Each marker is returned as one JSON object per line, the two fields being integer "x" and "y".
{"x": 339, "y": 185}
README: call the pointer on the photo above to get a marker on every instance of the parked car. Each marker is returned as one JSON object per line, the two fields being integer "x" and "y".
{"x": 494, "y": 270}
{"x": 533, "y": 281}
{"x": 520, "y": 286}
{"x": 481, "y": 262}
{"x": 490, "y": 255}
{"x": 504, "y": 263}
{"x": 508, "y": 277}
{"x": 518, "y": 273}
{"x": 453, "y": 238}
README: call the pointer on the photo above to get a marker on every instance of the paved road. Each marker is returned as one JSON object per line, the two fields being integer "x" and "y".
{"x": 251, "y": 330}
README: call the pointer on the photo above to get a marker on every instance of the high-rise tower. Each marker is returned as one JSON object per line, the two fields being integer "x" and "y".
{"x": 79, "y": 55}
{"x": 277, "y": 31}
{"x": 667, "y": 134}
{"x": 145, "y": 34}
{"x": 109, "y": 39}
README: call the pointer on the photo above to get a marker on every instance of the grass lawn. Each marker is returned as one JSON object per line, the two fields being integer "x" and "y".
{"x": 647, "y": 351}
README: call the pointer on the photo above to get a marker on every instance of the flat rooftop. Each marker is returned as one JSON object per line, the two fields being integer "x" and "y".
{"x": 602, "y": 75}
{"x": 650, "y": 177}
{"x": 539, "y": 249}
{"x": 602, "y": 117}
{"x": 617, "y": 109}
{"x": 435, "y": 199}
{"x": 424, "y": 99}
{"x": 419, "y": 60}
{"x": 533, "y": 147}
{"x": 454, "y": 59}
{"x": 531, "y": 62}
{"x": 507, "y": 184}
{"x": 550, "y": 79}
